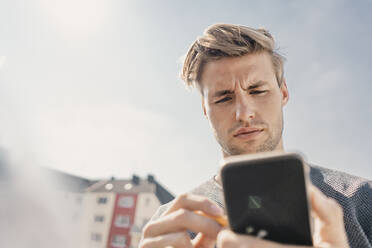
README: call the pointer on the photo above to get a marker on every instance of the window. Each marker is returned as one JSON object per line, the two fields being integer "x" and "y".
{"x": 99, "y": 218}
{"x": 122, "y": 221}
{"x": 126, "y": 201}
{"x": 118, "y": 241}
{"x": 102, "y": 200}
{"x": 96, "y": 237}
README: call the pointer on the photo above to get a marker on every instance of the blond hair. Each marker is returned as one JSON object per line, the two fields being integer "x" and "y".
{"x": 228, "y": 40}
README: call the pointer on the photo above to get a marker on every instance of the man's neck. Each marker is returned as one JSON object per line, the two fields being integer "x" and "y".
{"x": 280, "y": 149}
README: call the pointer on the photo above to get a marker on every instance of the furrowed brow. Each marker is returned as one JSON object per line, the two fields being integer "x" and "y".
{"x": 252, "y": 86}
{"x": 256, "y": 85}
{"x": 222, "y": 93}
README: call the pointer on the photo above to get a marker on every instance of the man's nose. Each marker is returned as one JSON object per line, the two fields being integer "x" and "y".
{"x": 244, "y": 110}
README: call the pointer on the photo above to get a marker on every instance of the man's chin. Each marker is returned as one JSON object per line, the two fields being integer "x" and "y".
{"x": 249, "y": 150}
{"x": 235, "y": 151}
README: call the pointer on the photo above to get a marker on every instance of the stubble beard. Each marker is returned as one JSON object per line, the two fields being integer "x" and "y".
{"x": 269, "y": 144}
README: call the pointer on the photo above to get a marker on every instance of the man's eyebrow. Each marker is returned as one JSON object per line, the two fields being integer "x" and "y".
{"x": 252, "y": 86}
{"x": 222, "y": 93}
{"x": 256, "y": 85}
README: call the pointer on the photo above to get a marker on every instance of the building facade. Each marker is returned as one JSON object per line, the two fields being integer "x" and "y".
{"x": 115, "y": 211}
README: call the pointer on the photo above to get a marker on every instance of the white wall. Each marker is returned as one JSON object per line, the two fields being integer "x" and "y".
{"x": 91, "y": 208}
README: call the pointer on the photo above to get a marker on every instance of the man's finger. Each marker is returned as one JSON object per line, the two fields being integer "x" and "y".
{"x": 327, "y": 209}
{"x": 182, "y": 220}
{"x": 329, "y": 221}
{"x": 178, "y": 239}
{"x": 229, "y": 239}
{"x": 194, "y": 202}
{"x": 202, "y": 241}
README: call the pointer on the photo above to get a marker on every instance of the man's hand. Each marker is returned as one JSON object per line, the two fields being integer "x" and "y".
{"x": 171, "y": 228}
{"x": 329, "y": 230}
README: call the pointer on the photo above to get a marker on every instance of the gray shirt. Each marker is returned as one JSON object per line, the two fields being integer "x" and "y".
{"x": 353, "y": 193}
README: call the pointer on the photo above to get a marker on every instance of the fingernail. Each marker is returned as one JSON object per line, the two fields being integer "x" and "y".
{"x": 216, "y": 210}
{"x": 261, "y": 234}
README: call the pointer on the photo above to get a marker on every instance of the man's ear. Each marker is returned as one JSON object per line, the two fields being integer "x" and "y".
{"x": 203, "y": 106}
{"x": 284, "y": 92}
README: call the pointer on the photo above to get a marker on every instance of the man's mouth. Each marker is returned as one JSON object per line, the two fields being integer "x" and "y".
{"x": 247, "y": 132}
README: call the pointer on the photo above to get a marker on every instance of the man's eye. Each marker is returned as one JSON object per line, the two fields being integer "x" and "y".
{"x": 225, "y": 99}
{"x": 257, "y": 92}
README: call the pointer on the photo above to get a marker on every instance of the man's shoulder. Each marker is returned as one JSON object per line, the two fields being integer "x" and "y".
{"x": 354, "y": 194}
{"x": 208, "y": 189}
{"x": 333, "y": 180}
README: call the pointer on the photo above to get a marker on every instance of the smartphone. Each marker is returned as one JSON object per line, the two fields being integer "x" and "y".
{"x": 266, "y": 196}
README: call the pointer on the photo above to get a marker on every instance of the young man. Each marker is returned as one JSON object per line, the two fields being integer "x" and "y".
{"x": 240, "y": 77}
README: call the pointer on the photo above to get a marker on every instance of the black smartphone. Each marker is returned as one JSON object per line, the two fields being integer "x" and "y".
{"x": 266, "y": 196}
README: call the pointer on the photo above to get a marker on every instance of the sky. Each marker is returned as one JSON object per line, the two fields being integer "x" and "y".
{"x": 92, "y": 88}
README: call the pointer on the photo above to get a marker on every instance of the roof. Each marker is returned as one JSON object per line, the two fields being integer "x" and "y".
{"x": 135, "y": 185}
{"x": 71, "y": 183}
{"x": 163, "y": 194}
{"x": 121, "y": 186}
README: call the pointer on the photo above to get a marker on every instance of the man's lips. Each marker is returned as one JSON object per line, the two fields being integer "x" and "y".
{"x": 247, "y": 130}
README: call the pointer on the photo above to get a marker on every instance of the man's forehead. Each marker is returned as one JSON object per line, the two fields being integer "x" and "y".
{"x": 228, "y": 69}
{"x": 246, "y": 70}
{"x": 228, "y": 79}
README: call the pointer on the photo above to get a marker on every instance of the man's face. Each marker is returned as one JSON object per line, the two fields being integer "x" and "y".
{"x": 243, "y": 102}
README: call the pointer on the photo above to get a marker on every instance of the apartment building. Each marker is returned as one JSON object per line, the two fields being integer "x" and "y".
{"x": 78, "y": 212}
{"x": 115, "y": 211}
